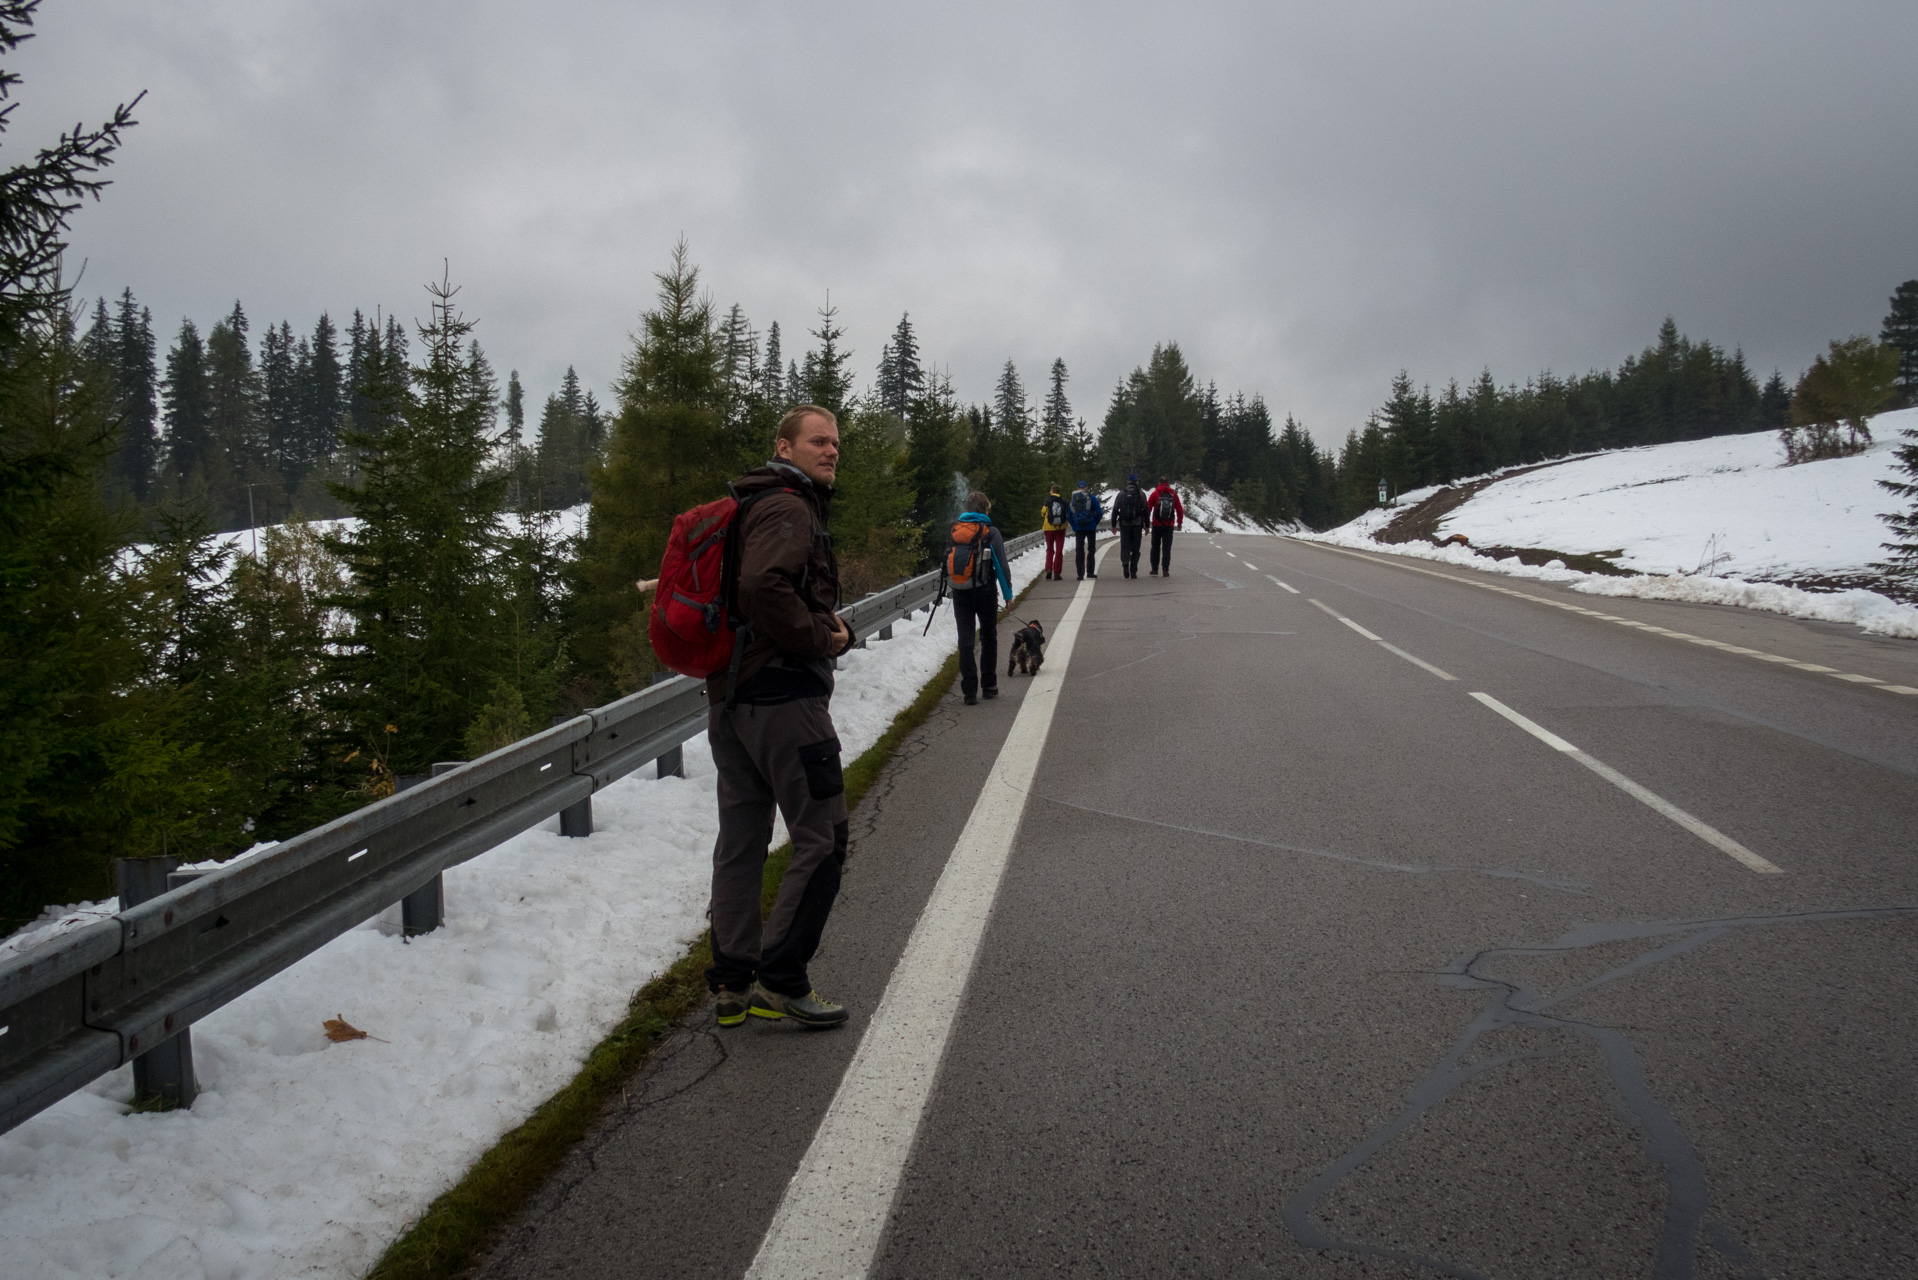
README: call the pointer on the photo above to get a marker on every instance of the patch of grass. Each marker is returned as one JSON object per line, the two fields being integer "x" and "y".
{"x": 457, "y": 1228}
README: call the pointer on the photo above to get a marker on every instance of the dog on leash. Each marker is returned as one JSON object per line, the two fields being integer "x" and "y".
{"x": 1028, "y": 650}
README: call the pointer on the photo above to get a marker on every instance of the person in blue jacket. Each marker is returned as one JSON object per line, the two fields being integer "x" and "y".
{"x": 975, "y": 565}
{"x": 1083, "y": 513}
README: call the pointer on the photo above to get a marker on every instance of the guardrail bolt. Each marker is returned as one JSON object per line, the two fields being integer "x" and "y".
{"x": 163, "y": 1075}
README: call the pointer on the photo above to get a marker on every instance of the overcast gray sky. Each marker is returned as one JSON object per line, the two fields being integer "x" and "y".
{"x": 1306, "y": 197}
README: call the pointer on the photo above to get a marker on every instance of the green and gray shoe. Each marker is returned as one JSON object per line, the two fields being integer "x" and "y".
{"x": 809, "y": 1010}
{"x": 729, "y": 1007}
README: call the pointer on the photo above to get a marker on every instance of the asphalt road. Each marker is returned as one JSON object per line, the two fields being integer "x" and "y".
{"x": 1309, "y": 962}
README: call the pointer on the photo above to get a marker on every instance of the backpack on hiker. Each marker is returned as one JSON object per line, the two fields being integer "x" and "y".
{"x": 1166, "y": 511}
{"x": 1055, "y": 510}
{"x": 1081, "y": 503}
{"x": 695, "y": 621}
{"x": 967, "y": 554}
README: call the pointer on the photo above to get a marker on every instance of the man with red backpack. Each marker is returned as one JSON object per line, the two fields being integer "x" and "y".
{"x": 1166, "y": 509}
{"x": 975, "y": 572}
{"x": 772, "y": 734}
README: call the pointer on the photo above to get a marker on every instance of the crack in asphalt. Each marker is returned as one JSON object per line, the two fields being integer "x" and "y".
{"x": 1407, "y": 868}
{"x": 582, "y": 1162}
{"x": 1687, "y": 1189}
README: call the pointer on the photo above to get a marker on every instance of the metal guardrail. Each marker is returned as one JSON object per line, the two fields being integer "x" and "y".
{"x": 128, "y": 986}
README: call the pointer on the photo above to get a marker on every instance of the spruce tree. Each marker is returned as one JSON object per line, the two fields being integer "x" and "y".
{"x": 321, "y": 400}
{"x": 1903, "y": 546}
{"x": 828, "y": 377}
{"x": 1900, "y": 332}
{"x": 192, "y": 452}
{"x": 279, "y": 403}
{"x": 138, "y": 460}
{"x": 86, "y": 758}
{"x": 1055, "y": 422}
{"x": 235, "y": 420}
{"x": 1009, "y": 402}
{"x": 902, "y": 380}
{"x": 669, "y": 452}
{"x": 425, "y": 648}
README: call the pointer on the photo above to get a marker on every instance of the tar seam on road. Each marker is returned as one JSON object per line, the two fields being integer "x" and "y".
{"x": 1658, "y": 804}
{"x": 835, "y": 1209}
{"x": 1759, "y": 654}
{"x": 1687, "y": 1188}
{"x": 1382, "y": 643}
{"x": 1288, "y": 586}
{"x": 1409, "y": 868}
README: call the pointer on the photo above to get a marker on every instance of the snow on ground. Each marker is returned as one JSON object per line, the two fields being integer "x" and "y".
{"x": 303, "y": 1157}
{"x": 1699, "y": 520}
{"x": 1209, "y": 510}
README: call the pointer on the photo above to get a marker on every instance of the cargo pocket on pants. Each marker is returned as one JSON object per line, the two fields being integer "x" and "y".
{"x": 824, "y": 779}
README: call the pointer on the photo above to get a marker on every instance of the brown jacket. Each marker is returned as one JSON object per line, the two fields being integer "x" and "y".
{"x": 788, "y": 588}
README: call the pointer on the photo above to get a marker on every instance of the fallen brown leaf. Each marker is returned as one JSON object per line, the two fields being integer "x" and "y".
{"x": 338, "y": 1030}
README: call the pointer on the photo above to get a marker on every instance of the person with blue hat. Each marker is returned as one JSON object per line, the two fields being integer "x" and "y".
{"x": 1083, "y": 513}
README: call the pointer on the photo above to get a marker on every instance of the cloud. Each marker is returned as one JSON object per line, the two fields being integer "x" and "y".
{"x": 1306, "y": 198}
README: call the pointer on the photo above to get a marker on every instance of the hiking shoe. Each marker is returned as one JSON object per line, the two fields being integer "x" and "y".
{"x": 972, "y": 699}
{"x": 989, "y": 694}
{"x": 809, "y": 1010}
{"x": 729, "y": 1007}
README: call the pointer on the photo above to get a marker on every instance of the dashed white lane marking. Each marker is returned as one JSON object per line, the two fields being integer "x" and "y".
{"x": 1704, "y": 831}
{"x": 1253, "y": 567}
{"x": 1288, "y": 586}
{"x": 836, "y": 1206}
{"x": 1383, "y": 644}
{"x": 1759, "y": 654}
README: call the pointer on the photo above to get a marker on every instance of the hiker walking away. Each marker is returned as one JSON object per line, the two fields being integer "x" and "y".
{"x": 1083, "y": 513}
{"x": 1166, "y": 509}
{"x": 975, "y": 567}
{"x": 1129, "y": 514}
{"x": 772, "y": 733}
{"x": 1052, "y": 519}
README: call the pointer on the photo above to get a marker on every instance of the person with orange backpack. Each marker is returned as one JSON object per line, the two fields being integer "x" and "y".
{"x": 974, "y": 570}
{"x": 1052, "y": 519}
{"x": 747, "y": 598}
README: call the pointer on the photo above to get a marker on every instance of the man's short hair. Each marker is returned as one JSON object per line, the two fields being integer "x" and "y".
{"x": 1162, "y": 480}
{"x": 790, "y": 424}
{"x": 978, "y": 501}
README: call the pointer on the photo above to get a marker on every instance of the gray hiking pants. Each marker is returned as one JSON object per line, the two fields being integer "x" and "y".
{"x": 783, "y": 754}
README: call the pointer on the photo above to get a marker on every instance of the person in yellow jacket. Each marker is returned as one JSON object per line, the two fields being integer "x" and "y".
{"x": 1052, "y": 518}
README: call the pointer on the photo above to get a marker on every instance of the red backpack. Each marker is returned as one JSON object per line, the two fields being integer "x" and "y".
{"x": 692, "y": 627}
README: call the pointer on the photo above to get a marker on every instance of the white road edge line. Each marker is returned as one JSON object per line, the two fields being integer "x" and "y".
{"x": 1421, "y": 663}
{"x": 836, "y": 1206}
{"x": 1704, "y": 831}
{"x": 1288, "y": 586}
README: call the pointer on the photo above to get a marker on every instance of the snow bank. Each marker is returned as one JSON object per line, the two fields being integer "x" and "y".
{"x": 1699, "y": 519}
{"x": 1209, "y": 510}
{"x": 304, "y": 1157}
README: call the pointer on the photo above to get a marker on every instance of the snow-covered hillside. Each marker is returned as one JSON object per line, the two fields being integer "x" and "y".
{"x": 305, "y": 1157}
{"x": 1720, "y": 520}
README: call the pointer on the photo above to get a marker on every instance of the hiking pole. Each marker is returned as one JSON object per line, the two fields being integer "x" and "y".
{"x": 934, "y": 611}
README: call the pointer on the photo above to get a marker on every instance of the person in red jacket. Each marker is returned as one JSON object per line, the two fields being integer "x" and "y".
{"x": 1168, "y": 513}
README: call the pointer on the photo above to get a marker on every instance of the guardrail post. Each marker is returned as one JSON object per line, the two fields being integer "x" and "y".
{"x": 424, "y": 909}
{"x": 673, "y": 763}
{"x": 164, "y": 1073}
{"x": 885, "y": 632}
{"x": 576, "y": 820}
